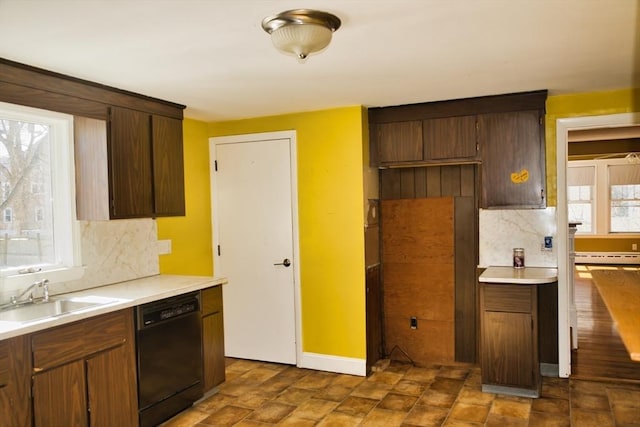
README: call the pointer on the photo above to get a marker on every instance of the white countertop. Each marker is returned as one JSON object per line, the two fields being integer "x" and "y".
{"x": 522, "y": 276}
{"x": 125, "y": 294}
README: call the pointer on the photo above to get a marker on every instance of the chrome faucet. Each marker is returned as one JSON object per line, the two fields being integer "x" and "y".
{"x": 44, "y": 284}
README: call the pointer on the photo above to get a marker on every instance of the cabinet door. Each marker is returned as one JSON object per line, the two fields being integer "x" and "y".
{"x": 168, "y": 166}
{"x": 111, "y": 388}
{"x": 398, "y": 141}
{"x": 130, "y": 171}
{"x": 513, "y": 159}
{"x": 59, "y": 396}
{"x": 508, "y": 349}
{"x": 213, "y": 350}
{"x": 15, "y": 382}
{"x": 450, "y": 138}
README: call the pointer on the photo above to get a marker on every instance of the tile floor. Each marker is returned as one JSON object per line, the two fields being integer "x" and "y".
{"x": 266, "y": 394}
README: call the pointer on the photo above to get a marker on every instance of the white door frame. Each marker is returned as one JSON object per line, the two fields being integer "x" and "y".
{"x": 563, "y": 126}
{"x": 256, "y": 137}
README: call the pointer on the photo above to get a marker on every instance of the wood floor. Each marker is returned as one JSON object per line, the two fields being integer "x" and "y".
{"x": 601, "y": 353}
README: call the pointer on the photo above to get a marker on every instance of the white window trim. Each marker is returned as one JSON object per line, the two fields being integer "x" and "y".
{"x": 68, "y": 265}
{"x": 601, "y": 197}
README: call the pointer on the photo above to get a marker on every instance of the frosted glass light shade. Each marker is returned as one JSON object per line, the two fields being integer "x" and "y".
{"x": 301, "y": 32}
{"x": 301, "y": 40}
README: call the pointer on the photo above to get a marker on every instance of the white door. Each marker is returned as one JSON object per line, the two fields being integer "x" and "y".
{"x": 254, "y": 207}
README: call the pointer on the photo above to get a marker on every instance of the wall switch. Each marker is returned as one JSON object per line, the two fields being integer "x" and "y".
{"x": 414, "y": 322}
{"x": 548, "y": 242}
{"x": 164, "y": 247}
{"x": 634, "y": 246}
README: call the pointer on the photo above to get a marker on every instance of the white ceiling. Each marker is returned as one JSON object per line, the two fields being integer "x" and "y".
{"x": 214, "y": 57}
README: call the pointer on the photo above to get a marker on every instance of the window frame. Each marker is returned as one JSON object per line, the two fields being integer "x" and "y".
{"x": 68, "y": 262}
{"x": 601, "y": 197}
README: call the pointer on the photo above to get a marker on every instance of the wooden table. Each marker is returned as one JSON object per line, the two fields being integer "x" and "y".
{"x": 620, "y": 290}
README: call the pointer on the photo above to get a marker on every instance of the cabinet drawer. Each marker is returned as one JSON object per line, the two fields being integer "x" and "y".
{"x": 79, "y": 339}
{"x": 212, "y": 300}
{"x": 509, "y": 298}
{"x": 4, "y": 363}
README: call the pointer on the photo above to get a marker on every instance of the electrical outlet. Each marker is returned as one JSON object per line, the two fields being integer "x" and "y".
{"x": 634, "y": 246}
{"x": 414, "y": 322}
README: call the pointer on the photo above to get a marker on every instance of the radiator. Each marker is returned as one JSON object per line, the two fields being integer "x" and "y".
{"x": 607, "y": 257}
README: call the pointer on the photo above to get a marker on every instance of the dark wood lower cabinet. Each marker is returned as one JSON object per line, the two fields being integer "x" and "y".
{"x": 59, "y": 396}
{"x": 212, "y": 338}
{"x": 15, "y": 372}
{"x": 111, "y": 388}
{"x": 509, "y": 355}
{"x": 95, "y": 387}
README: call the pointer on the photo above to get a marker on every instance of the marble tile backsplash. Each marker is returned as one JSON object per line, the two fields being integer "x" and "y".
{"x": 115, "y": 251}
{"x": 112, "y": 252}
{"x": 503, "y": 230}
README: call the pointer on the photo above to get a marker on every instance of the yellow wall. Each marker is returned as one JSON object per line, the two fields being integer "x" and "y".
{"x": 191, "y": 235}
{"x": 330, "y": 210}
{"x": 578, "y": 105}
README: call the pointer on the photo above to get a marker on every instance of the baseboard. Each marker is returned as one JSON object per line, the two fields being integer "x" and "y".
{"x": 329, "y": 363}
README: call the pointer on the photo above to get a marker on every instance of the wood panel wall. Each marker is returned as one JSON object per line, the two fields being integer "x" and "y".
{"x": 460, "y": 183}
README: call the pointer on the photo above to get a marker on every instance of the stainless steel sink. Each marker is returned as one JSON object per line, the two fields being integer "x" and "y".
{"x": 41, "y": 310}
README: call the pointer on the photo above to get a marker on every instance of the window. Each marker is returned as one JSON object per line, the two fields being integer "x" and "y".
{"x": 604, "y": 194}
{"x": 8, "y": 215}
{"x": 581, "y": 206}
{"x": 624, "y": 184}
{"x": 36, "y": 175}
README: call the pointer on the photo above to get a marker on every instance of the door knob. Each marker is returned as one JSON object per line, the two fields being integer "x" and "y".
{"x": 284, "y": 262}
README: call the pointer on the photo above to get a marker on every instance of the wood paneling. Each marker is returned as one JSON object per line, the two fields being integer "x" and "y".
{"x": 212, "y": 300}
{"x": 15, "y": 386}
{"x": 460, "y": 107}
{"x": 466, "y": 243}
{"x": 27, "y": 85}
{"x": 418, "y": 276}
{"x": 431, "y": 181}
{"x": 459, "y": 181}
{"x": 374, "y": 316}
{"x": 548, "y": 322}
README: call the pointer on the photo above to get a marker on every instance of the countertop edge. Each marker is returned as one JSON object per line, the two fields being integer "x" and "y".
{"x": 519, "y": 276}
{"x": 129, "y": 294}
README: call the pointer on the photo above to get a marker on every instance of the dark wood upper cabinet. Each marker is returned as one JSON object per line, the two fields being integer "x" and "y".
{"x": 128, "y": 147}
{"x": 130, "y": 164}
{"x": 129, "y": 167}
{"x": 168, "y": 166}
{"x": 450, "y": 138}
{"x": 398, "y": 141}
{"x": 513, "y": 160}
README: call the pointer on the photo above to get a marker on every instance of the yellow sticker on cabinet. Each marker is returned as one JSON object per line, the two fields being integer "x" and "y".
{"x": 520, "y": 177}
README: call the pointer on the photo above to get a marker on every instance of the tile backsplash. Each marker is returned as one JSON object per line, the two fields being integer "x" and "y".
{"x": 503, "y": 230}
{"x": 112, "y": 252}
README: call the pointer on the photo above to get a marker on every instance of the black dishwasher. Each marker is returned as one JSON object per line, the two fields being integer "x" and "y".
{"x": 169, "y": 357}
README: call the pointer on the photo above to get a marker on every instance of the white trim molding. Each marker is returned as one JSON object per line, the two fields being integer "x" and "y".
{"x": 563, "y": 126}
{"x": 330, "y": 363}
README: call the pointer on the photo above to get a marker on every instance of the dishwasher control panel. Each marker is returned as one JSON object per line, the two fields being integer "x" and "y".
{"x": 167, "y": 309}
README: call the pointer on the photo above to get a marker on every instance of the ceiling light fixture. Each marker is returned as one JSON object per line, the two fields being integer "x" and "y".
{"x": 301, "y": 32}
